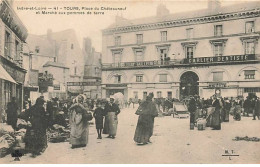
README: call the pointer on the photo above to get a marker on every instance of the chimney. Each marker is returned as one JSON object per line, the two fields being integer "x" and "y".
{"x": 162, "y": 10}
{"x": 214, "y": 6}
{"x": 49, "y": 34}
{"x": 87, "y": 45}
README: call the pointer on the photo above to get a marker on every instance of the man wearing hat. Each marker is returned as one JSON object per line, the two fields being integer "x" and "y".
{"x": 111, "y": 120}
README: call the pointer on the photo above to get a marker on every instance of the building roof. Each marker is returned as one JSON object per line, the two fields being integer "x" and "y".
{"x": 46, "y": 47}
{"x": 55, "y": 64}
{"x": 187, "y": 15}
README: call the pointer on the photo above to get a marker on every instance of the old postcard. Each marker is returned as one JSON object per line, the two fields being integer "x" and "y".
{"x": 129, "y": 82}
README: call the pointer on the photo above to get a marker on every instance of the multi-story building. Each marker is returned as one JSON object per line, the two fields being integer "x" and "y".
{"x": 92, "y": 70}
{"x": 203, "y": 52}
{"x": 12, "y": 74}
{"x": 59, "y": 55}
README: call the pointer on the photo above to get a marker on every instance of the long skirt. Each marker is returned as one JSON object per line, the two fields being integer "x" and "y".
{"x": 79, "y": 133}
{"x": 112, "y": 123}
{"x": 35, "y": 140}
{"x": 216, "y": 122}
{"x": 226, "y": 115}
{"x": 144, "y": 129}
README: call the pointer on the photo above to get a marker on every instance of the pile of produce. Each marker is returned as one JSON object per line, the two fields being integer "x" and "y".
{"x": 58, "y": 133}
{"x": 246, "y": 138}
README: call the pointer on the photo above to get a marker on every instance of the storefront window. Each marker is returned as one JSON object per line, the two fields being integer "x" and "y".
{"x": 217, "y": 76}
{"x": 249, "y": 74}
{"x": 136, "y": 95}
{"x": 7, "y": 92}
{"x": 139, "y": 78}
{"x": 169, "y": 95}
{"x": 159, "y": 94}
{"x": 144, "y": 95}
{"x": 163, "y": 78}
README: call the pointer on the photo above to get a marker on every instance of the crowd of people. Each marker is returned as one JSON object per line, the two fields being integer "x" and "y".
{"x": 44, "y": 114}
{"x": 217, "y": 109}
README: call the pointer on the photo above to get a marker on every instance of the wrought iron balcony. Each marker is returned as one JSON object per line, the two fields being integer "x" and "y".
{"x": 138, "y": 64}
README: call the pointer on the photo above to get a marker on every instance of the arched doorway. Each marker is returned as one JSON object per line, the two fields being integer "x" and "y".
{"x": 189, "y": 84}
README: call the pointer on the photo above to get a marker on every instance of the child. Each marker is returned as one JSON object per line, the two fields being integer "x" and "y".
{"x": 99, "y": 114}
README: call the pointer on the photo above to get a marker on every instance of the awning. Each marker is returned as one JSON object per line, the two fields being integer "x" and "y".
{"x": 4, "y": 75}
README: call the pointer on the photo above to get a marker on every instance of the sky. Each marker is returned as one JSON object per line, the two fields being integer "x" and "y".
{"x": 92, "y": 25}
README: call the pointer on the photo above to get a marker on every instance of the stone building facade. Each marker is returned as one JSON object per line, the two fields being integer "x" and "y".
{"x": 204, "y": 52}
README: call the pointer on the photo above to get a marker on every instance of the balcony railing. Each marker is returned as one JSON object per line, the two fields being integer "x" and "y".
{"x": 184, "y": 62}
{"x": 156, "y": 63}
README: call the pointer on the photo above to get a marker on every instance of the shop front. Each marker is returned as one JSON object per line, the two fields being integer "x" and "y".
{"x": 11, "y": 82}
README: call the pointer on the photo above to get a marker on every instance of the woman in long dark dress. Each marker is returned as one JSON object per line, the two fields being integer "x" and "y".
{"x": 144, "y": 129}
{"x": 216, "y": 122}
{"x": 35, "y": 137}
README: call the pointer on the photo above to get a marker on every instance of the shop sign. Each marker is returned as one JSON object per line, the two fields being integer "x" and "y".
{"x": 83, "y": 83}
{"x": 221, "y": 59}
{"x": 56, "y": 87}
{"x": 217, "y": 85}
{"x": 252, "y": 90}
{"x": 116, "y": 85}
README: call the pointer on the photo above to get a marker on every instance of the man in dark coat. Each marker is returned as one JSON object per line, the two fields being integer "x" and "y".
{"x": 192, "y": 109}
{"x": 247, "y": 105}
{"x": 12, "y": 113}
{"x": 257, "y": 109}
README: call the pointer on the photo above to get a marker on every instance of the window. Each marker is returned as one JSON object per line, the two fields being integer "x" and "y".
{"x": 217, "y": 76}
{"x": 139, "y": 38}
{"x": 163, "y": 36}
{"x": 250, "y": 47}
{"x": 163, "y": 54}
{"x": 117, "y": 78}
{"x": 218, "y": 30}
{"x": 139, "y": 55}
{"x": 189, "y": 52}
{"x": 135, "y": 94}
{"x": 144, "y": 95}
{"x": 159, "y": 94}
{"x": 37, "y": 49}
{"x": 218, "y": 49}
{"x": 7, "y": 51}
{"x": 17, "y": 48}
{"x": 169, "y": 95}
{"x": 163, "y": 78}
{"x": 249, "y": 74}
{"x": 96, "y": 70}
{"x": 139, "y": 78}
{"x": 72, "y": 46}
{"x": 250, "y": 27}
{"x": 117, "y": 58}
{"x": 189, "y": 32}
{"x": 117, "y": 40}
